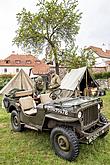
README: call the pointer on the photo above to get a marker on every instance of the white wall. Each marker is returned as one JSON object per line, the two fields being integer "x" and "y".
{"x": 13, "y": 70}
{"x": 100, "y": 62}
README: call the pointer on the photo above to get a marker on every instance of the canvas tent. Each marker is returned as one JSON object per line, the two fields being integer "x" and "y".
{"x": 77, "y": 78}
{"x": 20, "y": 81}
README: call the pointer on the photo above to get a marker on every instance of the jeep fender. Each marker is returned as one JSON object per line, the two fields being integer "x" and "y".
{"x": 13, "y": 107}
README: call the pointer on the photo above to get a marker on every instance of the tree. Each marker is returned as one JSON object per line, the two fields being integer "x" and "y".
{"x": 74, "y": 59}
{"x": 87, "y": 57}
{"x": 54, "y": 21}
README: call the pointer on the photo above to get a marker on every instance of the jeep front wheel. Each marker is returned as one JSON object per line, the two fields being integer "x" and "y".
{"x": 15, "y": 122}
{"x": 65, "y": 143}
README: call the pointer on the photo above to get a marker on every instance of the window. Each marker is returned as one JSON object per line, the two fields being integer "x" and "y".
{"x": 17, "y": 69}
{"x": 5, "y": 70}
{"x": 17, "y": 61}
{"x": 7, "y": 61}
{"x": 38, "y": 62}
{"x": 28, "y": 62}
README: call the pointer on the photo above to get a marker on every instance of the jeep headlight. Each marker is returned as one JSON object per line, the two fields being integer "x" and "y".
{"x": 79, "y": 114}
{"x": 98, "y": 106}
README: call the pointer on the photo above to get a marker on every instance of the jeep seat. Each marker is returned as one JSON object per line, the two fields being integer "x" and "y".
{"x": 28, "y": 105}
{"x": 45, "y": 98}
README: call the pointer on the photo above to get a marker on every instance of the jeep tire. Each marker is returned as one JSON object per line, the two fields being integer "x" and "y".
{"x": 64, "y": 143}
{"x": 15, "y": 122}
{"x": 103, "y": 119}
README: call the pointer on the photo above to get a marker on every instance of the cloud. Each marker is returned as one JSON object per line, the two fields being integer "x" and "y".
{"x": 94, "y": 29}
{"x": 8, "y": 23}
{"x": 95, "y": 23}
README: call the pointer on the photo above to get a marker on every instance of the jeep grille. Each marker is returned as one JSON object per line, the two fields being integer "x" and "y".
{"x": 90, "y": 115}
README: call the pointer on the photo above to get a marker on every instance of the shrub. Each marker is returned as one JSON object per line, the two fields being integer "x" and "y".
{"x": 102, "y": 75}
{"x": 4, "y": 79}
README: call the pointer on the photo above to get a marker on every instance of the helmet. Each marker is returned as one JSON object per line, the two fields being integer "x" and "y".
{"x": 39, "y": 78}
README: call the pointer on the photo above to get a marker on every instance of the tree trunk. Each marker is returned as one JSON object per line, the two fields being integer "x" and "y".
{"x": 57, "y": 68}
{"x": 56, "y": 60}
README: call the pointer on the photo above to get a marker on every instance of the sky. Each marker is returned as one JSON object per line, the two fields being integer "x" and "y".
{"x": 94, "y": 28}
{"x": 95, "y": 23}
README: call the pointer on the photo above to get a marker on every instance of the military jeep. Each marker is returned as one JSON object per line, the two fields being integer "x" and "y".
{"x": 70, "y": 120}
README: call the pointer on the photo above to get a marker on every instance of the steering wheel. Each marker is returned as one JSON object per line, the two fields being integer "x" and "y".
{"x": 55, "y": 94}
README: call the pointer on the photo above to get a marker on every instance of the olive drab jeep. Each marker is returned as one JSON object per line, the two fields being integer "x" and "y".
{"x": 70, "y": 120}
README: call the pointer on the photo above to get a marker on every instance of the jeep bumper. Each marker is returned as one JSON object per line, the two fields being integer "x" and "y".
{"x": 89, "y": 137}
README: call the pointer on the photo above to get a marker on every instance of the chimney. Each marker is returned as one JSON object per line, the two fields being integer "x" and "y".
{"x": 13, "y": 52}
{"x": 29, "y": 52}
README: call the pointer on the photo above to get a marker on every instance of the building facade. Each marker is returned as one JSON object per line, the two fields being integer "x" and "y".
{"x": 102, "y": 57}
{"x": 15, "y": 62}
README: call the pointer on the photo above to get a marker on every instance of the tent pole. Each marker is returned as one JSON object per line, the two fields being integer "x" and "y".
{"x": 86, "y": 84}
{"x": 21, "y": 81}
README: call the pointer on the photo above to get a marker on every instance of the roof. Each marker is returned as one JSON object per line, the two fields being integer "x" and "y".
{"x": 40, "y": 68}
{"x": 100, "y": 52}
{"x": 19, "y": 60}
{"x": 108, "y": 62}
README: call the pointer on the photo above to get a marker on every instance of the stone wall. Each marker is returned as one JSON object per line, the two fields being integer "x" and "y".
{"x": 104, "y": 83}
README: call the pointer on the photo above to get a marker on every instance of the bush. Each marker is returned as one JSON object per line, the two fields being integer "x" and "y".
{"x": 4, "y": 79}
{"x": 103, "y": 75}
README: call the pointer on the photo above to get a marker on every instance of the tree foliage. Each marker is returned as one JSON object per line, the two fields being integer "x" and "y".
{"x": 75, "y": 59}
{"x": 54, "y": 21}
{"x": 87, "y": 58}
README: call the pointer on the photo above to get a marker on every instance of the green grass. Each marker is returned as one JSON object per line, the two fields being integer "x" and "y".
{"x": 33, "y": 148}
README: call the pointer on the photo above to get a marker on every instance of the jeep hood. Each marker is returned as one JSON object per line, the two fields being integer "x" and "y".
{"x": 69, "y": 102}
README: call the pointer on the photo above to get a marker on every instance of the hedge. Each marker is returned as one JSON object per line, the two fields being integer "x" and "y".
{"x": 102, "y": 75}
{"x": 4, "y": 79}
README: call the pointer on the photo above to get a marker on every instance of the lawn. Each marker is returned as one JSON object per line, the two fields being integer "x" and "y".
{"x": 33, "y": 148}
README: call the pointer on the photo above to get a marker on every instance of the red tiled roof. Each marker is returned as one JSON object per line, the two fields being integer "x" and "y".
{"x": 19, "y": 60}
{"x": 100, "y": 52}
{"x": 40, "y": 68}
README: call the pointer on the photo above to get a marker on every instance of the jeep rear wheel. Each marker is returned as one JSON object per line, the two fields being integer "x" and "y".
{"x": 15, "y": 122}
{"x": 65, "y": 143}
{"x": 103, "y": 119}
